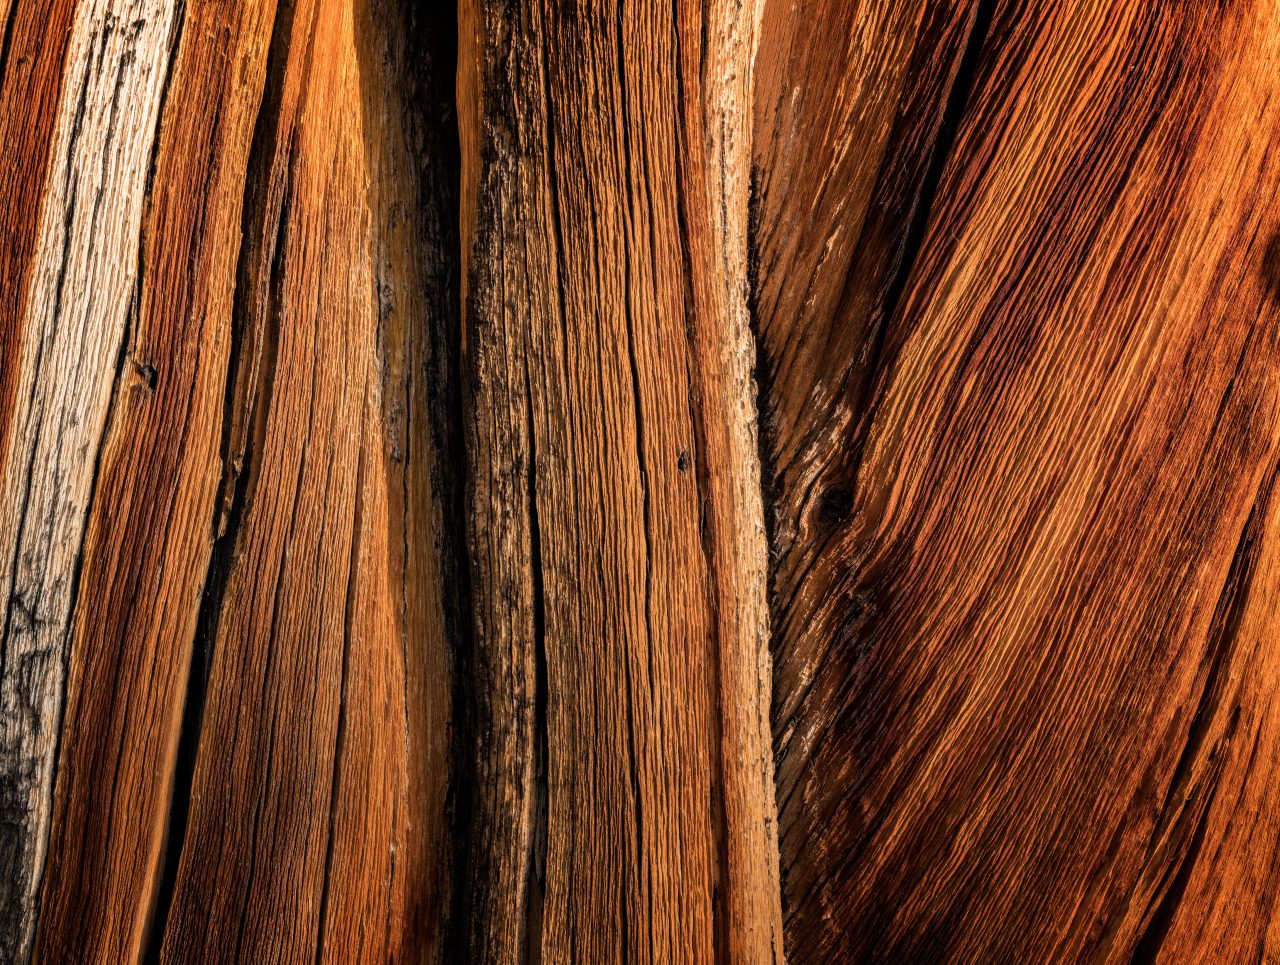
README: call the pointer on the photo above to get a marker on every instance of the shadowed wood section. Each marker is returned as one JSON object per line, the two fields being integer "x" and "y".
{"x": 1025, "y": 702}
{"x": 406, "y": 52}
{"x": 623, "y": 806}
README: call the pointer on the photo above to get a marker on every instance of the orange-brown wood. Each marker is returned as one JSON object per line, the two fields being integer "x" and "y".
{"x": 639, "y": 480}
{"x": 1025, "y": 698}
{"x": 264, "y": 500}
{"x": 623, "y": 799}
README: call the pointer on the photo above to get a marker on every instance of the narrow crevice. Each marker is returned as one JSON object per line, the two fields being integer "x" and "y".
{"x": 537, "y": 846}
{"x": 766, "y": 441}
{"x": 433, "y": 34}
{"x": 770, "y": 494}
{"x": 640, "y": 870}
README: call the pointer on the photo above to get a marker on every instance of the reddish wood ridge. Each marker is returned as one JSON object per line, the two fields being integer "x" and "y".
{"x": 639, "y": 481}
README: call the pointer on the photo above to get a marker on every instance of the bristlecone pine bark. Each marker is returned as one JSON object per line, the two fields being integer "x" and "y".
{"x": 609, "y": 481}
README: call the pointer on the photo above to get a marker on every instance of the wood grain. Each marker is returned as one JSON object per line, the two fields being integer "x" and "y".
{"x": 639, "y": 480}
{"x": 321, "y": 647}
{"x": 1025, "y": 702}
{"x": 623, "y": 805}
{"x": 79, "y": 270}
{"x": 176, "y": 552}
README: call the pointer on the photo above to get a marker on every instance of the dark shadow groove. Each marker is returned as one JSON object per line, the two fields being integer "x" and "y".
{"x": 430, "y": 32}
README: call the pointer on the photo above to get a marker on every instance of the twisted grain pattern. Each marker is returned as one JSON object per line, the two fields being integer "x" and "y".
{"x": 1025, "y": 696}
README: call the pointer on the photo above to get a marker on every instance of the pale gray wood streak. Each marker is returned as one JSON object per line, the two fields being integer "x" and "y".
{"x": 78, "y": 304}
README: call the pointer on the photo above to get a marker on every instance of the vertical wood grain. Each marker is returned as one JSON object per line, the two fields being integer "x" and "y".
{"x": 342, "y": 287}
{"x": 153, "y": 521}
{"x": 80, "y": 271}
{"x": 622, "y": 775}
{"x": 325, "y": 724}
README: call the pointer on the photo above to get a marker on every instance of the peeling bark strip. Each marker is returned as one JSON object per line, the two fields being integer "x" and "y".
{"x": 1025, "y": 710}
{"x": 623, "y": 800}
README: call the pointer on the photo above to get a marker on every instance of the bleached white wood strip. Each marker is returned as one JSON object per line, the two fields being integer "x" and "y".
{"x": 78, "y": 305}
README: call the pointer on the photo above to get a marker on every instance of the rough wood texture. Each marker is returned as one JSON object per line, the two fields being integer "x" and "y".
{"x": 1026, "y": 701}
{"x": 639, "y": 480}
{"x": 855, "y": 104}
{"x": 306, "y": 731}
{"x": 623, "y": 800}
{"x": 78, "y": 270}
{"x": 268, "y": 460}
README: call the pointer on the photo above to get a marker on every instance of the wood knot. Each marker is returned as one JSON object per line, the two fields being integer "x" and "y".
{"x": 835, "y": 506}
{"x": 146, "y": 374}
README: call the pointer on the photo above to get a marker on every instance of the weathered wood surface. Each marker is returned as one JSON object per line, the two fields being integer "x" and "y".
{"x": 80, "y": 101}
{"x": 622, "y": 791}
{"x": 261, "y": 575}
{"x": 1026, "y": 596}
{"x": 639, "y": 480}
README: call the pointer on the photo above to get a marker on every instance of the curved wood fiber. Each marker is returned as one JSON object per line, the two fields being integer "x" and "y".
{"x": 593, "y": 481}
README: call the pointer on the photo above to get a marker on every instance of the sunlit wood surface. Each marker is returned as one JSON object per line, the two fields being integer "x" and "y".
{"x": 639, "y": 481}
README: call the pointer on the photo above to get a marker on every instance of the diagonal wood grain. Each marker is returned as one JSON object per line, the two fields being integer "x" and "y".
{"x": 1024, "y": 699}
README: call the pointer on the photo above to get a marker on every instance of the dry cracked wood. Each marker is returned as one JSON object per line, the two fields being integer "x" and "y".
{"x": 622, "y": 788}
{"x": 70, "y": 272}
{"x": 400, "y": 563}
{"x": 263, "y": 525}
